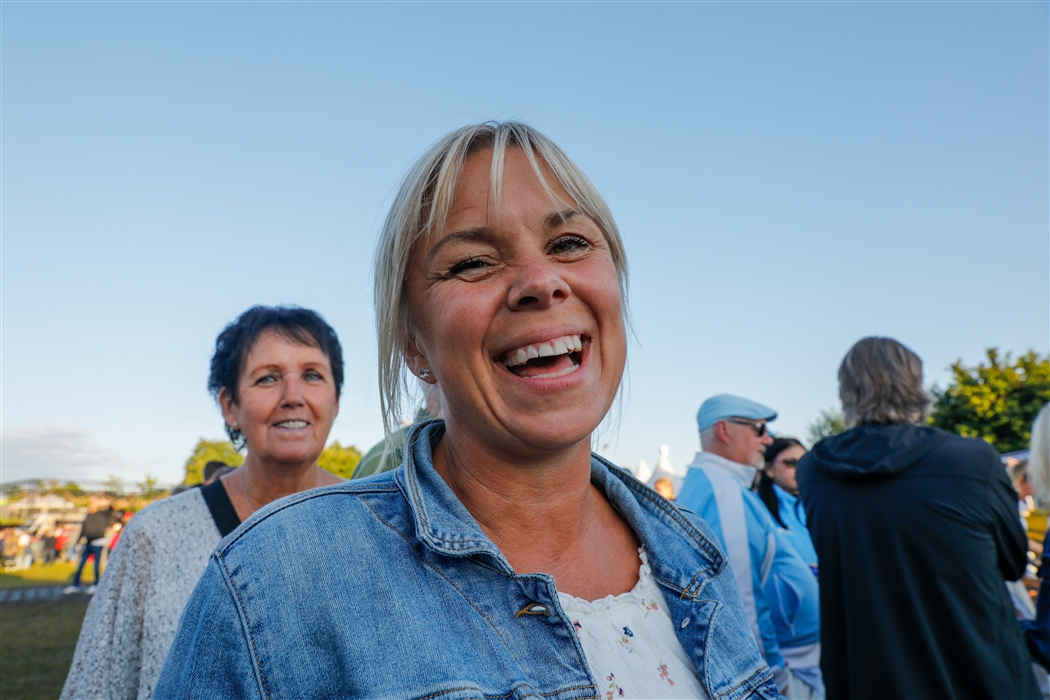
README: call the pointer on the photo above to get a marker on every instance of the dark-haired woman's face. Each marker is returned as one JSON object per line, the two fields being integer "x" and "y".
{"x": 286, "y": 401}
{"x": 782, "y": 471}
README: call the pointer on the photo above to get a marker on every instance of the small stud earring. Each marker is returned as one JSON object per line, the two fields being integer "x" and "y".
{"x": 424, "y": 374}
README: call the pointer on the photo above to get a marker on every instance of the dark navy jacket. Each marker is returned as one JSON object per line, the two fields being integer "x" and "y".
{"x": 916, "y": 530}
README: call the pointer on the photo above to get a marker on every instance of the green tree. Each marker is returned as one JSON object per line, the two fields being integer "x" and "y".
{"x": 341, "y": 461}
{"x": 114, "y": 486}
{"x": 828, "y": 423}
{"x": 148, "y": 488}
{"x": 206, "y": 451}
{"x": 73, "y": 488}
{"x": 996, "y": 401}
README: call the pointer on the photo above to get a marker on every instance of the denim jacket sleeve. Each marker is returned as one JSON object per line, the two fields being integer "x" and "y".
{"x": 211, "y": 656}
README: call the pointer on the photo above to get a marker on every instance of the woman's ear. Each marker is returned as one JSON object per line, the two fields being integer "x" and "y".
{"x": 227, "y": 404}
{"x": 417, "y": 363}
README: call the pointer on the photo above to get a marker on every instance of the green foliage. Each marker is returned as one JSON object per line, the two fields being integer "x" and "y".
{"x": 148, "y": 488}
{"x": 114, "y": 486}
{"x": 996, "y": 401}
{"x": 339, "y": 460}
{"x": 206, "y": 451}
{"x": 828, "y": 423}
{"x": 73, "y": 489}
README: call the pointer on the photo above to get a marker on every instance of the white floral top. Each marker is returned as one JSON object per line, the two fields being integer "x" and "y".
{"x": 630, "y": 643}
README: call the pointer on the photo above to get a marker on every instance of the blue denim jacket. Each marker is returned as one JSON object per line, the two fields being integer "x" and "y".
{"x": 387, "y": 587}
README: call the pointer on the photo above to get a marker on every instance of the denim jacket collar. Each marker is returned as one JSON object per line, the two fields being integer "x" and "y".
{"x": 681, "y": 557}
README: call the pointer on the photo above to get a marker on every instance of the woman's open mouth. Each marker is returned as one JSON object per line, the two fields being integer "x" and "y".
{"x": 545, "y": 360}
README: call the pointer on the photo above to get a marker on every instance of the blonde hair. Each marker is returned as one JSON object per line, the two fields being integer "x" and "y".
{"x": 880, "y": 381}
{"x": 1039, "y": 455}
{"x": 421, "y": 207}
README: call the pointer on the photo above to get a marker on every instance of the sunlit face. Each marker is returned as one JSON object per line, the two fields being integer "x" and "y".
{"x": 286, "y": 400}
{"x": 745, "y": 445}
{"x": 520, "y": 320}
{"x": 782, "y": 470}
{"x": 665, "y": 488}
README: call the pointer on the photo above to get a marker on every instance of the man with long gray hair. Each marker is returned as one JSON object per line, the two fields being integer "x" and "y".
{"x": 916, "y": 530}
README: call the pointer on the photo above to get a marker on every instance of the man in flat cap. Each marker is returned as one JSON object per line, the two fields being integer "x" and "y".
{"x": 779, "y": 591}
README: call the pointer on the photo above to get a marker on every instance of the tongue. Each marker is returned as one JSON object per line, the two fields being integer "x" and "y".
{"x": 543, "y": 365}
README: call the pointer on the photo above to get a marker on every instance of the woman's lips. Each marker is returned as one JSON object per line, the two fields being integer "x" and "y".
{"x": 546, "y": 359}
{"x": 291, "y": 424}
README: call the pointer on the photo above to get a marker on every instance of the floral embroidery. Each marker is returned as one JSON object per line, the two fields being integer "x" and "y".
{"x": 614, "y": 691}
{"x": 651, "y": 606}
{"x": 577, "y": 626}
{"x": 625, "y": 642}
{"x": 664, "y": 673}
{"x": 628, "y": 632}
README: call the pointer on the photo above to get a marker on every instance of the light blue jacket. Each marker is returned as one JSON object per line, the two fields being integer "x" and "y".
{"x": 712, "y": 479}
{"x": 793, "y": 514}
{"x": 387, "y": 587}
{"x": 778, "y": 588}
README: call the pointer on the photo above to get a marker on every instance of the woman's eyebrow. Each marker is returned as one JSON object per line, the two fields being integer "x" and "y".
{"x": 479, "y": 233}
{"x": 555, "y": 219}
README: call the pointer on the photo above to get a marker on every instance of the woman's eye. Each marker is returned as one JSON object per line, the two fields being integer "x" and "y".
{"x": 266, "y": 379}
{"x": 312, "y": 376}
{"x": 569, "y": 244}
{"x": 467, "y": 266}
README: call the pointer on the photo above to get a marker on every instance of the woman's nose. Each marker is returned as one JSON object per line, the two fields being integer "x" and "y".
{"x": 537, "y": 285}
{"x": 293, "y": 392}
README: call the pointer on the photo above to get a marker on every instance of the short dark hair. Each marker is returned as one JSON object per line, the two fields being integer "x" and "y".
{"x": 765, "y": 484}
{"x": 211, "y": 467}
{"x": 237, "y": 340}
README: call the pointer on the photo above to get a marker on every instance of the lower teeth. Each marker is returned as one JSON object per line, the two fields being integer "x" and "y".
{"x": 561, "y": 373}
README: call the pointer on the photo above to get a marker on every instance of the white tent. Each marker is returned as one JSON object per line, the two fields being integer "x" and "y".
{"x": 644, "y": 472}
{"x": 665, "y": 470}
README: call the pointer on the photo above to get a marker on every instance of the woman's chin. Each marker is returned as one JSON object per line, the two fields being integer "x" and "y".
{"x": 291, "y": 455}
{"x": 554, "y": 432}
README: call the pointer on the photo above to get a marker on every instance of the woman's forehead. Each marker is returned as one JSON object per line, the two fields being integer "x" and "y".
{"x": 272, "y": 341}
{"x": 481, "y": 195}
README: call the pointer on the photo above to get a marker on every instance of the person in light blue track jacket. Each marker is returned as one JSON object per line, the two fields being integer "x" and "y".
{"x": 777, "y": 586}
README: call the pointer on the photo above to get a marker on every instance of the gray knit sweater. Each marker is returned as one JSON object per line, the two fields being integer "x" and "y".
{"x": 132, "y": 619}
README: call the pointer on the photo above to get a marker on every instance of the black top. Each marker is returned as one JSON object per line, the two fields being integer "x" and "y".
{"x": 916, "y": 530}
{"x": 221, "y": 507}
{"x": 94, "y": 526}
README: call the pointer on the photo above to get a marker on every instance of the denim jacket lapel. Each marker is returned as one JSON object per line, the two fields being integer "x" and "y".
{"x": 443, "y": 524}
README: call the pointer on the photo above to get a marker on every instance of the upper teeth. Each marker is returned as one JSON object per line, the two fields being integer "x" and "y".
{"x": 548, "y": 348}
{"x": 292, "y": 424}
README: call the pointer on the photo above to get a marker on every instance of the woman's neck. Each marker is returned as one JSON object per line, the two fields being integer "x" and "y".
{"x": 258, "y": 482}
{"x": 544, "y": 515}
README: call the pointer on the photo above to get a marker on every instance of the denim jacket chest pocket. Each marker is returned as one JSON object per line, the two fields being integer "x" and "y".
{"x": 412, "y": 624}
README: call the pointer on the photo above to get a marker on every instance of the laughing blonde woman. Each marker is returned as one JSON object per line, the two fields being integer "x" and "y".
{"x": 502, "y": 558}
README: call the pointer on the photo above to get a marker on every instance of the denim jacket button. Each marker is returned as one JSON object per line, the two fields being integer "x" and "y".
{"x": 685, "y": 623}
{"x": 534, "y": 609}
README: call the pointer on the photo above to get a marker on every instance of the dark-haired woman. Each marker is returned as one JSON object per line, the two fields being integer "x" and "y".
{"x": 778, "y": 489}
{"x": 277, "y": 375}
{"x": 791, "y": 588}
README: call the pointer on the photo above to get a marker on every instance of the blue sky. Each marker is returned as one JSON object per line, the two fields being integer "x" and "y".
{"x": 788, "y": 178}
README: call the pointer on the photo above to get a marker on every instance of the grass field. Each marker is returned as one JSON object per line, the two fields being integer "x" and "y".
{"x": 36, "y": 646}
{"x": 57, "y": 574}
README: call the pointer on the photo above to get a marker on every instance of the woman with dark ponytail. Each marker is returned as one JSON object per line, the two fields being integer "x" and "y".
{"x": 778, "y": 489}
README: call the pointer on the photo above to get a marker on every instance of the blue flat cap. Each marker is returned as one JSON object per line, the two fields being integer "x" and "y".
{"x": 725, "y": 406}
